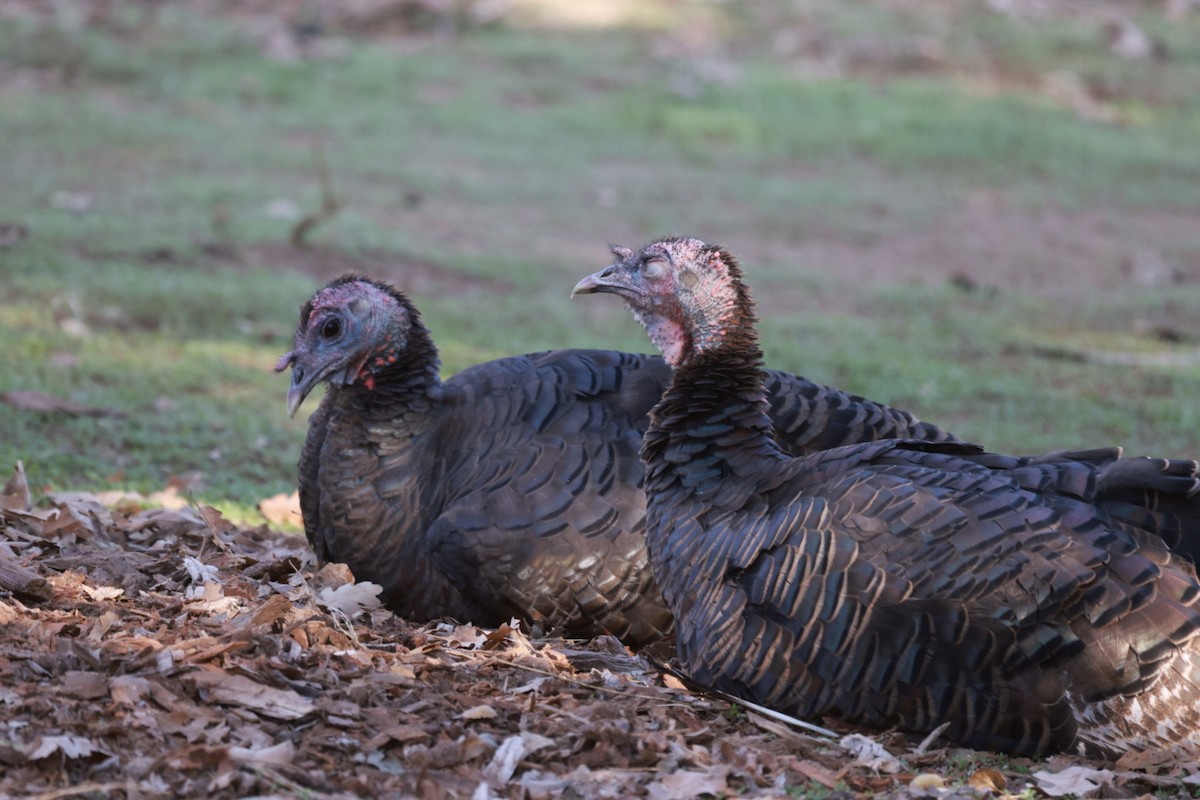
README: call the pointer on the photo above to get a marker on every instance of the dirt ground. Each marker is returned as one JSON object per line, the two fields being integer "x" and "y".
{"x": 169, "y": 653}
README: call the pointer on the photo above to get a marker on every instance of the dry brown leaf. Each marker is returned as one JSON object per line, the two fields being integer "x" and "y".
{"x": 671, "y": 682}
{"x": 129, "y": 690}
{"x": 817, "y": 773}
{"x": 498, "y": 637}
{"x": 870, "y": 753}
{"x": 169, "y": 498}
{"x": 277, "y": 755}
{"x": 201, "y": 574}
{"x": 182, "y": 723}
{"x": 1180, "y": 759}
{"x": 987, "y": 780}
{"x": 34, "y": 518}
{"x": 215, "y": 519}
{"x": 316, "y": 633}
{"x": 535, "y": 741}
{"x": 237, "y": 690}
{"x": 101, "y": 593}
{"x": 83, "y": 514}
{"x": 506, "y": 758}
{"x": 400, "y": 674}
{"x": 689, "y": 784}
{"x": 927, "y": 784}
{"x": 281, "y": 509}
{"x": 198, "y": 757}
{"x": 404, "y": 734}
{"x": 464, "y": 637}
{"x": 533, "y": 686}
{"x": 68, "y": 745}
{"x": 351, "y": 598}
{"x": 1077, "y": 780}
{"x": 478, "y": 712}
{"x": 474, "y": 746}
{"x": 331, "y": 575}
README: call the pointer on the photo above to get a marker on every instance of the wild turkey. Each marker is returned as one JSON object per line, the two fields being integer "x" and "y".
{"x": 514, "y": 487}
{"x": 892, "y": 583}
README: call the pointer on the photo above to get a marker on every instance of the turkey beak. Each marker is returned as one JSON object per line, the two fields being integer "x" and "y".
{"x": 298, "y": 392}
{"x": 598, "y": 282}
{"x": 302, "y": 380}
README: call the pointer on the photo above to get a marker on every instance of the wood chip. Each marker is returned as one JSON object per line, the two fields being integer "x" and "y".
{"x": 84, "y": 685}
{"x": 23, "y": 582}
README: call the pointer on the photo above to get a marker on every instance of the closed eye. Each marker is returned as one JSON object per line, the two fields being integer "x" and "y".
{"x": 653, "y": 268}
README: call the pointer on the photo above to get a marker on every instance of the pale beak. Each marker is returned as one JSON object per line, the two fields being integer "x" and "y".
{"x": 302, "y": 381}
{"x": 597, "y": 282}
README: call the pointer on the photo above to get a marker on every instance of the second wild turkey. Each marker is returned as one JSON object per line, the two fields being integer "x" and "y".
{"x": 891, "y": 583}
{"x": 512, "y": 488}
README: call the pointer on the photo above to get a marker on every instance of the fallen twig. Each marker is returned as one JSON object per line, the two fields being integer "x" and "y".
{"x": 85, "y": 788}
{"x": 1112, "y": 358}
{"x": 928, "y": 741}
{"x": 330, "y": 204}
{"x": 763, "y": 711}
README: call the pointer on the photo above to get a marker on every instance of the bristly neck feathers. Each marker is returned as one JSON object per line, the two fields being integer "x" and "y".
{"x": 405, "y": 368}
{"x": 404, "y": 363}
{"x": 712, "y": 423}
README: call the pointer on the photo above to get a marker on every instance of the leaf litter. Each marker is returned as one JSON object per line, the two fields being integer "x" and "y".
{"x": 176, "y": 654}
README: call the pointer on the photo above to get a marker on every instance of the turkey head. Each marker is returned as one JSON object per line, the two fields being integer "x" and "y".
{"x": 349, "y": 333}
{"x": 681, "y": 306}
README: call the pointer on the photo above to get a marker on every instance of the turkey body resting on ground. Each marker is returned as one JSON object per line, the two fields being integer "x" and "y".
{"x": 892, "y": 583}
{"x": 512, "y": 488}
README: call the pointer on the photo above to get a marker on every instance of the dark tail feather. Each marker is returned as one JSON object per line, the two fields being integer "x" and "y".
{"x": 1158, "y": 494}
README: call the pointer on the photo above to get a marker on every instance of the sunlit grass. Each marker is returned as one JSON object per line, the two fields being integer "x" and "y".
{"x": 516, "y": 152}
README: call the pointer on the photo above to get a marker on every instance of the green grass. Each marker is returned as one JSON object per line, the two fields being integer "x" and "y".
{"x": 517, "y": 154}
{"x": 184, "y": 359}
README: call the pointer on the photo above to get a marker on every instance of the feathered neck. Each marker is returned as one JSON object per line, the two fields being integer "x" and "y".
{"x": 404, "y": 377}
{"x": 417, "y": 366}
{"x": 711, "y": 433}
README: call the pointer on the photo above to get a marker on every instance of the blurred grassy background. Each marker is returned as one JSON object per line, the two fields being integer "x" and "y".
{"x": 987, "y": 213}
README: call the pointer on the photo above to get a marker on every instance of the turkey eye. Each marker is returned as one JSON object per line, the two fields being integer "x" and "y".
{"x": 332, "y": 328}
{"x": 653, "y": 268}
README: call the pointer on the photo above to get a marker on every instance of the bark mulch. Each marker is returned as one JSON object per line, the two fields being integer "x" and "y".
{"x": 170, "y": 653}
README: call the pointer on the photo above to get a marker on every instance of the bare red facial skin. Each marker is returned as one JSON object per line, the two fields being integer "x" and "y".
{"x": 375, "y": 364}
